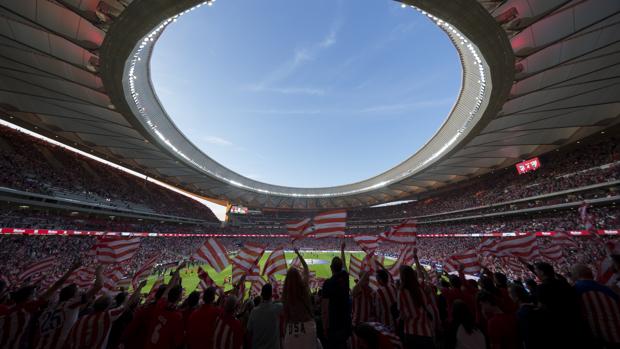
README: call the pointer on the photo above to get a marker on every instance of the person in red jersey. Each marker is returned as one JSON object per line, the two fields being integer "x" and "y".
{"x": 166, "y": 329}
{"x": 501, "y": 327}
{"x": 228, "y": 331}
{"x": 201, "y": 323}
{"x": 415, "y": 311}
{"x": 56, "y": 321}
{"x": 600, "y": 306}
{"x": 135, "y": 335}
{"x": 386, "y": 299}
{"x": 14, "y": 323}
{"x": 363, "y": 301}
{"x": 363, "y": 309}
{"x": 91, "y": 331}
{"x": 190, "y": 304}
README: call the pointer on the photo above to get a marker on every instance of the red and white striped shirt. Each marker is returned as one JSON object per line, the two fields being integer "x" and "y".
{"x": 55, "y": 324}
{"x": 386, "y": 296}
{"x": 228, "y": 333}
{"x": 364, "y": 305}
{"x": 92, "y": 330}
{"x": 14, "y": 323}
{"x": 417, "y": 319}
{"x": 601, "y": 308}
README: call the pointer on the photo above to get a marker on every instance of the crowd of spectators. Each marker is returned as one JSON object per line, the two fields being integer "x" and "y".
{"x": 547, "y": 306}
{"x": 595, "y": 163}
{"x": 35, "y": 166}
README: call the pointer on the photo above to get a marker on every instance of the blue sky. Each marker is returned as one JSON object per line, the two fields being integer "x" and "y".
{"x": 306, "y": 93}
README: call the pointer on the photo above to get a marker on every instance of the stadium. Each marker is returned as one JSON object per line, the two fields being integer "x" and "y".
{"x": 393, "y": 174}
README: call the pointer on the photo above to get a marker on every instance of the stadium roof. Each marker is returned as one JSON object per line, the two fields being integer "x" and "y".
{"x": 537, "y": 74}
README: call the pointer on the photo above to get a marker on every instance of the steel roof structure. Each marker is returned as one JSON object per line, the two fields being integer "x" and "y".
{"x": 537, "y": 74}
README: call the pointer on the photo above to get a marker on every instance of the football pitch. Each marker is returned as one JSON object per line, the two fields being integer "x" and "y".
{"x": 318, "y": 262}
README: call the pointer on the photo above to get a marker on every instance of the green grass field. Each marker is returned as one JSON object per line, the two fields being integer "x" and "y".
{"x": 190, "y": 278}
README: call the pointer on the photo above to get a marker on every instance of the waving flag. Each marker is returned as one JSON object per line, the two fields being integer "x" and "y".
{"x": 111, "y": 278}
{"x": 404, "y": 258}
{"x": 329, "y": 224}
{"x": 524, "y": 246}
{"x": 552, "y": 252}
{"x": 205, "y": 279}
{"x": 355, "y": 267}
{"x": 469, "y": 259}
{"x": 38, "y": 267}
{"x": 257, "y": 285}
{"x": 368, "y": 243}
{"x": 110, "y": 250}
{"x": 144, "y": 271}
{"x": 404, "y": 233}
{"x": 276, "y": 263}
{"x": 213, "y": 253}
{"x": 564, "y": 240}
{"x": 298, "y": 229}
{"x": 296, "y": 263}
{"x": 82, "y": 277}
{"x": 248, "y": 256}
{"x": 487, "y": 247}
{"x": 276, "y": 287}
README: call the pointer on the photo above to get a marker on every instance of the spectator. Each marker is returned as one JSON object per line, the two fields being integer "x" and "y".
{"x": 336, "y": 308}
{"x": 264, "y": 323}
{"x": 600, "y": 307}
{"x": 299, "y": 326}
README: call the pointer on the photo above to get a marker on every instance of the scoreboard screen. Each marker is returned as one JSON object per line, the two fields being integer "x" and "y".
{"x": 239, "y": 210}
{"x": 526, "y": 166}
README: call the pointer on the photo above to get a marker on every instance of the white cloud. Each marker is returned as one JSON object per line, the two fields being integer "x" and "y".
{"x": 300, "y": 57}
{"x": 288, "y": 90}
{"x": 217, "y": 141}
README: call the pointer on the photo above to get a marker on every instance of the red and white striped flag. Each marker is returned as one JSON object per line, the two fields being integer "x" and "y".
{"x": 248, "y": 256}
{"x": 552, "y": 252}
{"x": 237, "y": 273}
{"x": 564, "y": 240}
{"x": 355, "y": 267}
{"x": 35, "y": 268}
{"x": 110, "y": 250}
{"x": 213, "y": 253}
{"x": 329, "y": 224}
{"x": 404, "y": 233}
{"x": 512, "y": 264}
{"x": 487, "y": 247}
{"x": 257, "y": 285}
{"x": 524, "y": 246}
{"x": 124, "y": 283}
{"x": 276, "y": 286}
{"x": 296, "y": 263}
{"x": 82, "y": 277}
{"x": 111, "y": 278}
{"x": 253, "y": 274}
{"x": 205, "y": 279}
{"x": 298, "y": 229}
{"x": 404, "y": 258}
{"x": 469, "y": 259}
{"x": 605, "y": 267}
{"x": 144, "y": 271}
{"x": 276, "y": 263}
{"x": 368, "y": 243}
{"x": 372, "y": 262}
